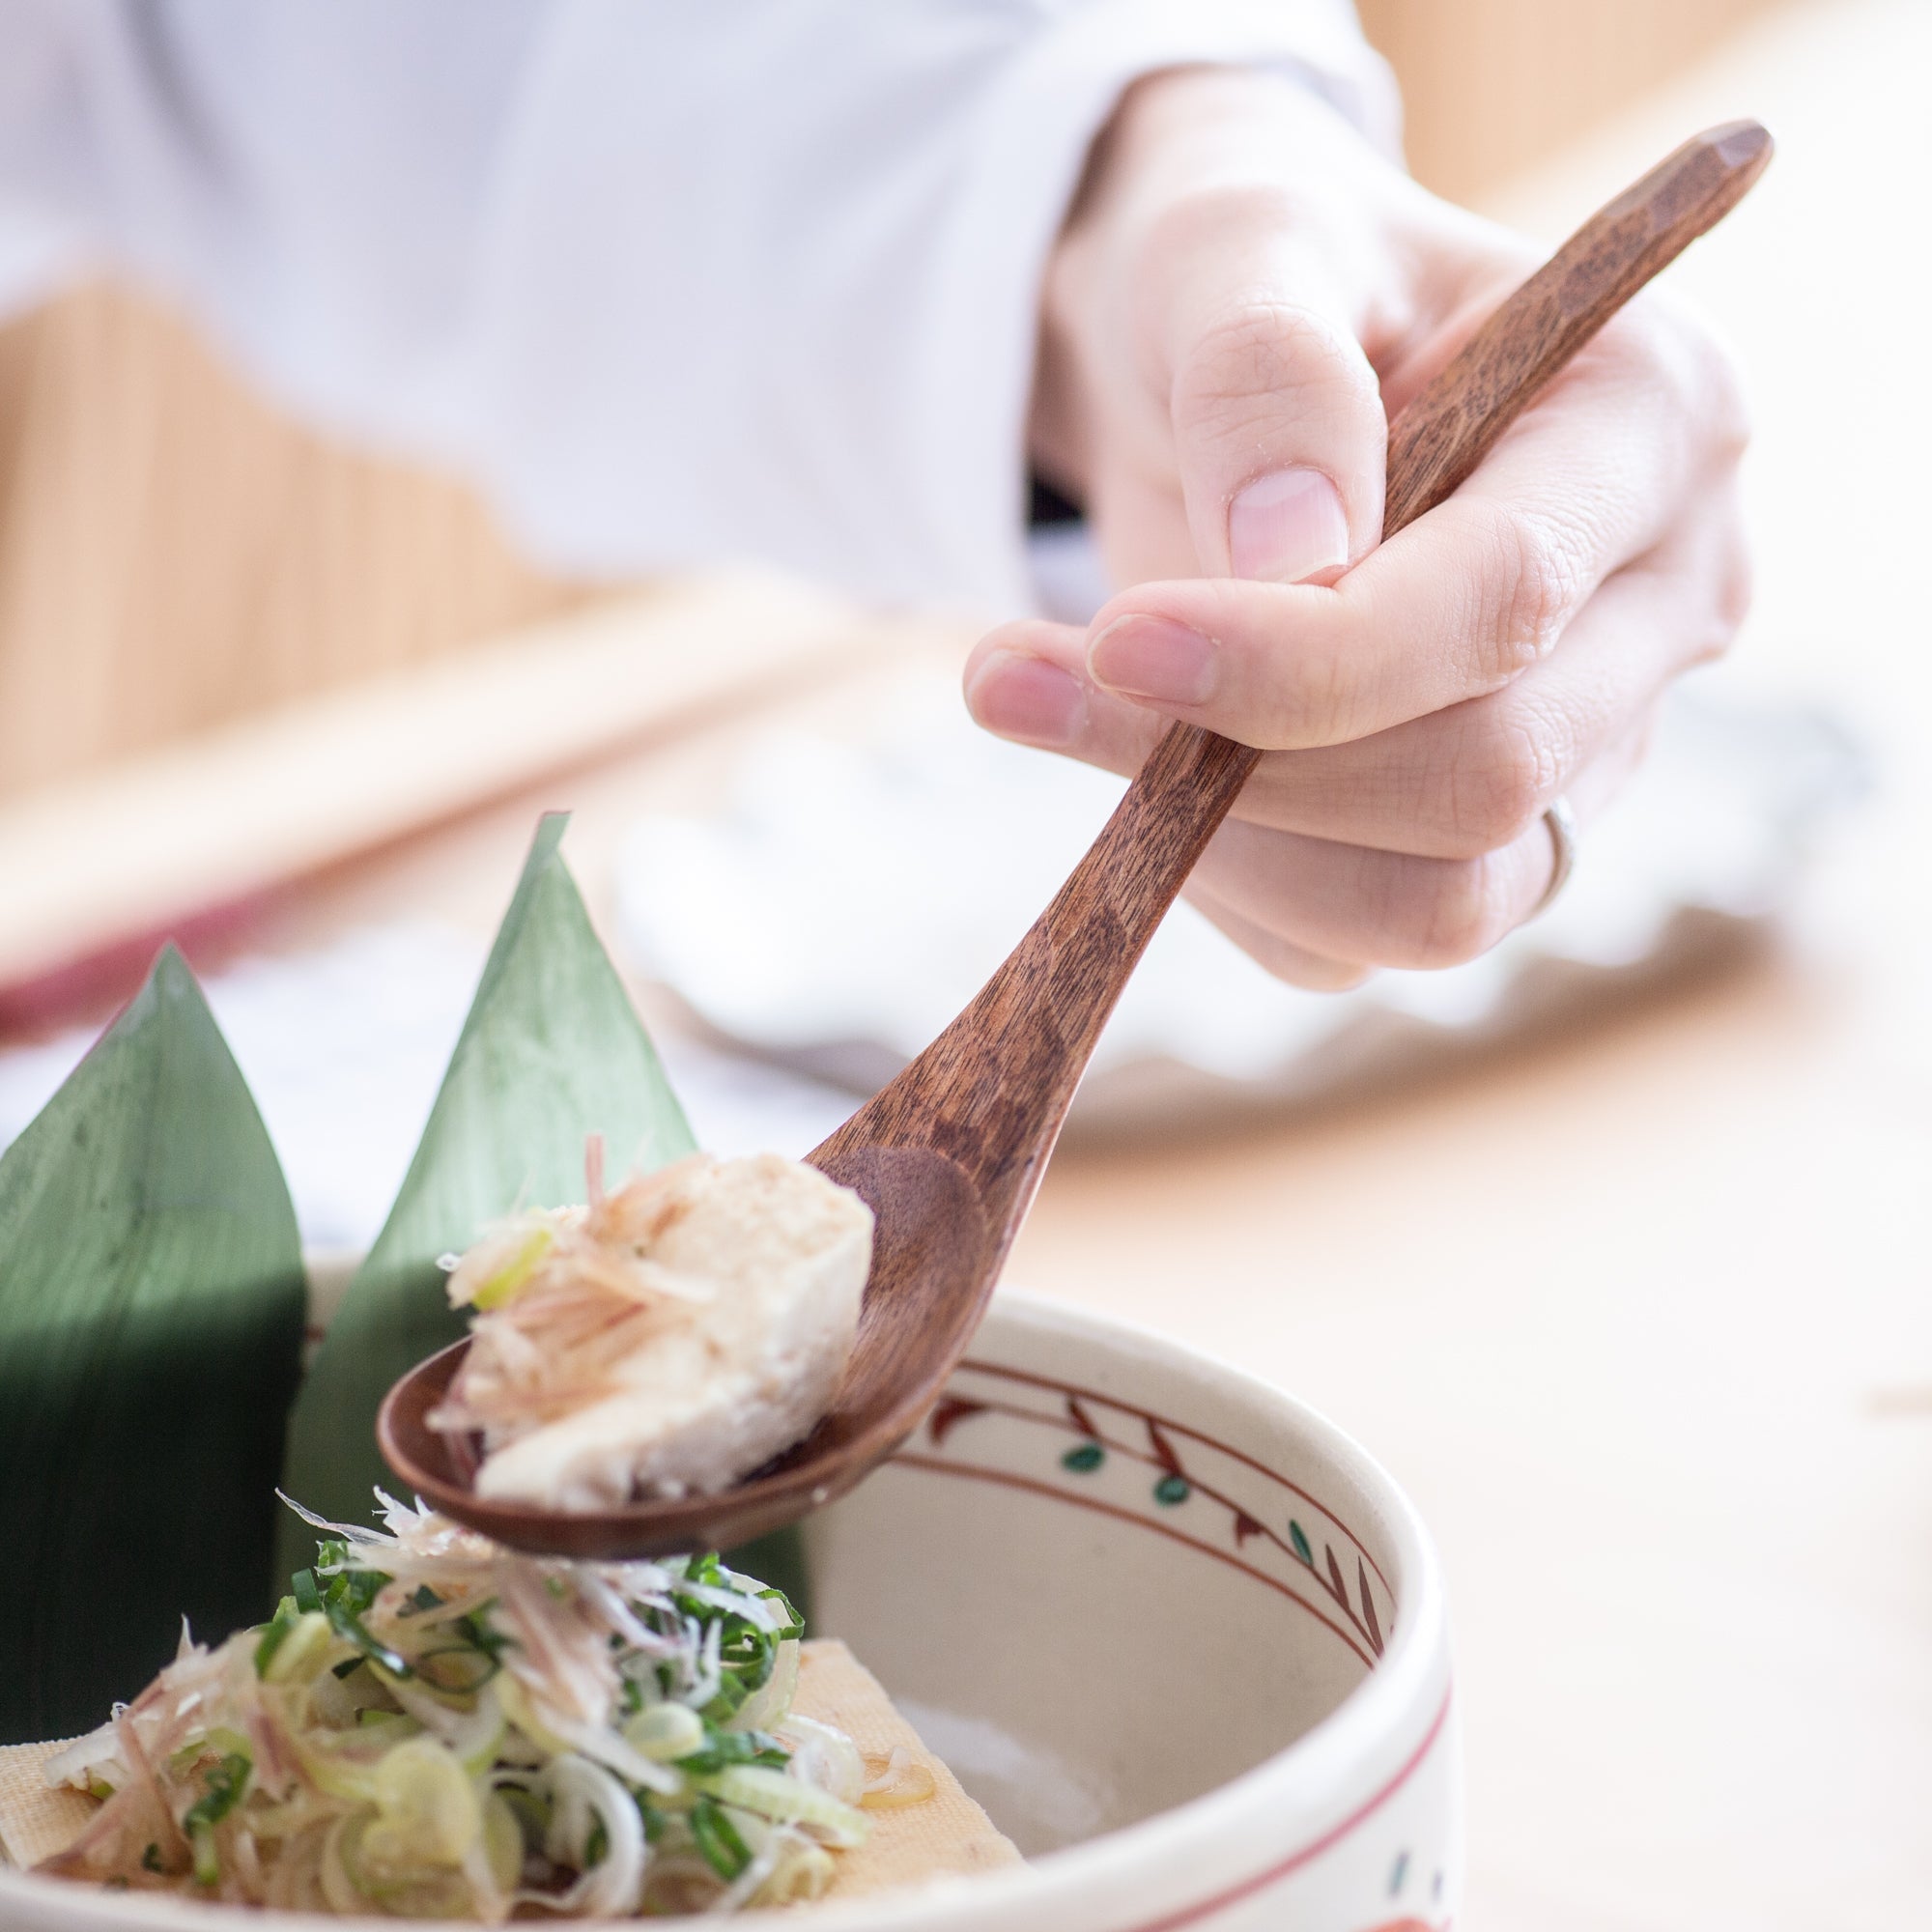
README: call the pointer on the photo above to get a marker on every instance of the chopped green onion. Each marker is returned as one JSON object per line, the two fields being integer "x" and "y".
{"x": 346, "y": 1624}
{"x": 272, "y": 1634}
{"x": 225, "y": 1787}
{"x": 718, "y": 1840}
{"x": 787, "y": 1801}
{"x": 372, "y": 1716}
{"x": 346, "y": 1597}
{"x": 513, "y": 1277}
{"x": 654, "y": 1819}
{"x": 532, "y": 1814}
{"x": 307, "y": 1637}
{"x": 794, "y": 1624}
{"x": 359, "y": 1588}
{"x": 666, "y": 1732}
{"x": 727, "y": 1747}
{"x": 477, "y": 1628}
{"x": 746, "y": 1649}
{"x": 457, "y": 1667}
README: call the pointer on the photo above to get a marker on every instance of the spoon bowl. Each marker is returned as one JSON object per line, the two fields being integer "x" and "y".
{"x": 949, "y": 1154}
{"x": 928, "y": 1289}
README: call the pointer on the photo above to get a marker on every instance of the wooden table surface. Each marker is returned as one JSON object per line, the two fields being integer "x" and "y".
{"x": 1640, "y": 1317}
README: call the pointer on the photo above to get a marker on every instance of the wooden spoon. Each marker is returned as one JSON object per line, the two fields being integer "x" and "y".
{"x": 949, "y": 1154}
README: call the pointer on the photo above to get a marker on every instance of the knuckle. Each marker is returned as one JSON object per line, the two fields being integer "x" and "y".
{"x": 1717, "y": 609}
{"x": 1312, "y": 972}
{"x": 1204, "y": 219}
{"x": 1256, "y": 928}
{"x": 1673, "y": 352}
{"x": 1462, "y": 914}
{"x": 1713, "y": 389}
{"x": 1735, "y": 586}
{"x": 1647, "y": 340}
{"x": 1264, "y": 350}
{"x": 1615, "y": 769}
{"x": 1727, "y": 405}
{"x": 1316, "y": 975}
{"x": 1533, "y": 571}
{"x": 1502, "y": 781}
{"x": 1725, "y": 607}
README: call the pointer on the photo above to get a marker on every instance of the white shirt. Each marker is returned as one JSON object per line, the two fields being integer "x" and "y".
{"x": 674, "y": 283}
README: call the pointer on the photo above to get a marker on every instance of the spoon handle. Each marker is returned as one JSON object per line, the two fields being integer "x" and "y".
{"x": 992, "y": 1090}
{"x": 1453, "y": 424}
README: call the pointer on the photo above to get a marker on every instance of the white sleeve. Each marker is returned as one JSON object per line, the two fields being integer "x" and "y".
{"x": 674, "y": 283}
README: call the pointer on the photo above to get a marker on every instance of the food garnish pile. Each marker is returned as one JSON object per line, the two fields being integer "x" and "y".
{"x": 664, "y": 1339}
{"x": 434, "y": 1727}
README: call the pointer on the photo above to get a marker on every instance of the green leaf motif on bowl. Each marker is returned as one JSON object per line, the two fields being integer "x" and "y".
{"x": 1084, "y": 1458}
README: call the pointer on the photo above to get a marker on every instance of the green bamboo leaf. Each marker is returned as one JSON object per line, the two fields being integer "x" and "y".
{"x": 552, "y": 1050}
{"x": 151, "y": 1330}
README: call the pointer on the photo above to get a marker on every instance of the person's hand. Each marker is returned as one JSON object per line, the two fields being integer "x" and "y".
{"x": 1243, "y": 295}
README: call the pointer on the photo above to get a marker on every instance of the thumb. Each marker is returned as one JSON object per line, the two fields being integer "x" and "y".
{"x": 1279, "y": 432}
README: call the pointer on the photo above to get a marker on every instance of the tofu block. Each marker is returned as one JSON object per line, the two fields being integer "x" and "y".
{"x": 36, "y": 1822}
{"x": 948, "y": 1833}
{"x": 777, "y": 1256}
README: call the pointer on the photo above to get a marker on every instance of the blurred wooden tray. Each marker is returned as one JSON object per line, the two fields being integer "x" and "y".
{"x": 129, "y": 852}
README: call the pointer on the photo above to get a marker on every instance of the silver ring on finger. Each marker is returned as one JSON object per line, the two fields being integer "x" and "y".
{"x": 1562, "y": 823}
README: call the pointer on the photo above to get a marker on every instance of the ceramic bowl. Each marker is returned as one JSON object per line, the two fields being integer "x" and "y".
{"x": 1179, "y": 1635}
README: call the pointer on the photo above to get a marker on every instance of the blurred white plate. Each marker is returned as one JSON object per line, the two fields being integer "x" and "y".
{"x": 850, "y": 897}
